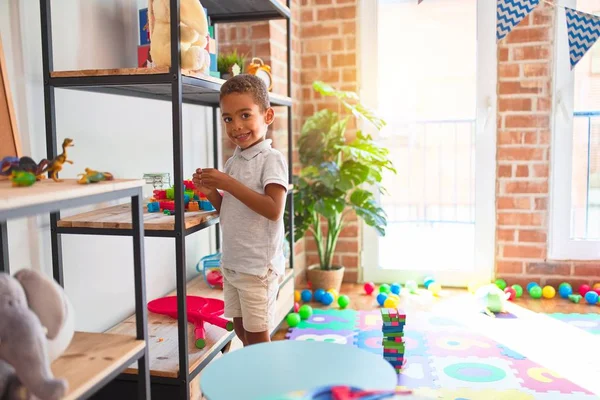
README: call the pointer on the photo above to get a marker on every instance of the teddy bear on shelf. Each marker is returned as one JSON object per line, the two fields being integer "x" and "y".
{"x": 36, "y": 327}
{"x": 193, "y": 35}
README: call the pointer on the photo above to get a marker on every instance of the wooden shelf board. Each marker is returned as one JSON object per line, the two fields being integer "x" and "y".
{"x": 119, "y": 217}
{"x": 162, "y": 334}
{"x": 91, "y": 357}
{"x": 47, "y": 191}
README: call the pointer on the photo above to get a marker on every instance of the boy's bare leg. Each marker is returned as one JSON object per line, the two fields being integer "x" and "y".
{"x": 238, "y": 327}
{"x": 257, "y": 337}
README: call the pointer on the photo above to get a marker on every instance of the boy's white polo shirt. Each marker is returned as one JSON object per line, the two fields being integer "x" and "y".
{"x": 252, "y": 243}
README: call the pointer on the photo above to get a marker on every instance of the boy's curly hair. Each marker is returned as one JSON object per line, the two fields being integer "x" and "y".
{"x": 247, "y": 83}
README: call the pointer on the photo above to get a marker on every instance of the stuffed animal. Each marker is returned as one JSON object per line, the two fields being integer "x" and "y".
{"x": 492, "y": 299}
{"x": 36, "y": 327}
{"x": 193, "y": 34}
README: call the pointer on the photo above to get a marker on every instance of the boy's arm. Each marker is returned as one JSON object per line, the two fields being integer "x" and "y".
{"x": 270, "y": 205}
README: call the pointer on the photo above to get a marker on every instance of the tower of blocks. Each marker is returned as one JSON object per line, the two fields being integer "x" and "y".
{"x": 393, "y": 336}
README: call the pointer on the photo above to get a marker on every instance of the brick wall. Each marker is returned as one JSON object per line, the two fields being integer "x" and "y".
{"x": 523, "y": 155}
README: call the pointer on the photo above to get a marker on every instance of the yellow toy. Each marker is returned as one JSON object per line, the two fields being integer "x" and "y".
{"x": 259, "y": 68}
{"x": 55, "y": 166}
{"x": 548, "y": 292}
{"x": 92, "y": 176}
{"x": 193, "y": 34}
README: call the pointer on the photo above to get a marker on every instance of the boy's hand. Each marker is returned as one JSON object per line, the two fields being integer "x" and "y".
{"x": 200, "y": 185}
{"x": 213, "y": 178}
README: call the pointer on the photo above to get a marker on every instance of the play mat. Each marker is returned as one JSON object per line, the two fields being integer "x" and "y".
{"x": 588, "y": 322}
{"x": 443, "y": 358}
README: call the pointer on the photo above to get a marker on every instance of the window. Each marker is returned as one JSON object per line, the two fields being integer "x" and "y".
{"x": 575, "y": 177}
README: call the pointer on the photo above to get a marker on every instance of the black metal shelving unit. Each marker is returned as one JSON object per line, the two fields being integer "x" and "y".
{"x": 176, "y": 88}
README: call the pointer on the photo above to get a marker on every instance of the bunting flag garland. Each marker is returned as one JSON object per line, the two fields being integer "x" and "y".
{"x": 584, "y": 30}
{"x": 509, "y": 13}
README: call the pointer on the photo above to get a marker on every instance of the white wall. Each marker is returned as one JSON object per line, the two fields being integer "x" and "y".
{"x": 126, "y": 136}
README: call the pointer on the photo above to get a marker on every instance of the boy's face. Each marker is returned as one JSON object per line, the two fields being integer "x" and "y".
{"x": 244, "y": 121}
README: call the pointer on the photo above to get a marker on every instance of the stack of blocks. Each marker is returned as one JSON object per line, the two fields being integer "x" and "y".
{"x": 393, "y": 336}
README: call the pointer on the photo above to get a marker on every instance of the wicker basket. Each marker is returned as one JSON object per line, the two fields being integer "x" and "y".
{"x": 325, "y": 279}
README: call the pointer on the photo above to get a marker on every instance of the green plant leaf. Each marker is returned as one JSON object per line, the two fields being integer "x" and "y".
{"x": 352, "y": 174}
{"x": 330, "y": 207}
{"x": 365, "y": 206}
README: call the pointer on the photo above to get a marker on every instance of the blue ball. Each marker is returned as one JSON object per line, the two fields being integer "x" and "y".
{"x": 395, "y": 288}
{"x": 530, "y": 285}
{"x": 318, "y": 294}
{"x": 591, "y": 297}
{"x": 428, "y": 282}
{"x": 306, "y": 295}
{"x": 327, "y": 298}
{"x": 565, "y": 290}
{"x": 381, "y": 297}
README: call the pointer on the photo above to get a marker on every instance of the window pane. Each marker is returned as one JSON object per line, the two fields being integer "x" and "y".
{"x": 585, "y": 188}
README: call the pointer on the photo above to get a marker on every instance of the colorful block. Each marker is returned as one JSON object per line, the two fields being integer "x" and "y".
{"x": 144, "y": 27}
{"x": 153, "y": 207}
{"x": 193, "y": 206}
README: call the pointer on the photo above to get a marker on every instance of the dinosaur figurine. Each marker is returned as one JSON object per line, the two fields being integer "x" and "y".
{"x": 55, "y": 166}
{"x": 92, "y": 176}
{"x": 8, "y": 165}
{"x": 22, "y": 178}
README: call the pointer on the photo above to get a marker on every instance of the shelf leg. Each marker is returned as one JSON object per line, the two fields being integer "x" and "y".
{"x": 141, "y": 312}
{"x": 4, "y": 266}
{"x": 216, "y": 158}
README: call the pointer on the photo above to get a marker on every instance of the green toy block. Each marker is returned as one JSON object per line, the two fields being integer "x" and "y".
{"x": 575, "y": 298}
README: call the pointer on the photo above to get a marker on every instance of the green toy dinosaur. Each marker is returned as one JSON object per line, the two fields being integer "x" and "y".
{"x": 92, "y": 176}
{"x": 22, "y": 178}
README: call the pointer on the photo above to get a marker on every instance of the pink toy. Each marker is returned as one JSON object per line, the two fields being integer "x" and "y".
{"x": 199, "y": 311}
{"x": 215, "y": 278}
{"x": 369, "y": 288}
{"x": 296, "y": 307}
{"x": 513, "y": 293}
{"x": 583, "y": 289}
{"x": 597, "y": 290}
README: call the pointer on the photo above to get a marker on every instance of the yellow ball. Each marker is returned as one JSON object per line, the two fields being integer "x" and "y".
{"x": 334, "y": 293}
{"x": 390, "y": 303}
{"x": 596, "y": 286}
{"x": 394, "y": 296}
{"x": 435, "y": 288}
{"x": 472, "y": 287}
{"x": 297, "y": 296}
{"x": 548, "y": 292}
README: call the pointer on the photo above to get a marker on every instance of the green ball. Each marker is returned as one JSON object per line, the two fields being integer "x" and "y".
{"x": 501, "y": 283}
{"x": 385, "y": 288}
{"x": 343, "y": 301}
{"x": 518, "y": 290}
{"x": 535, "y": 292}
{"x": 305, "y": 311}
{"x": 293, "y": 319}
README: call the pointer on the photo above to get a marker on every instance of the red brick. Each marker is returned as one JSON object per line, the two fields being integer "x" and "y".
{"x": 540, "y": 170}
{"x": 349, "y": 75}
{"x": 350, "y": 230}
{"x": 321, "y": 2}
{"x": 307, "y": 16}
{"x": 506, "y": 235}
{"x": 505, "y": 171}
{"x": 350, "y": 261}
{"x": 347, "y": 246}
{"x": 309, "y": 61}
{"x": 542, "y": 18}
{"x": 513, "y": 203}
{"x": 533, "y": 52}
{"x": 350, "y": 275}
{"x": 548, "y": 268}
{"x": 541, "y": 204}
{"x": 524, "y": 187}
{"x": 516, "y": 87}
{"x": 530, "y": 137}
{"x": 520, "y": 219}
{"x": 591, "y": 270}
{"x": 317, "y": 45}
{"x": 575, "y": 282}
{"x": 530, "y": 252}
{"x": 508, "y": 70}
{"x": 319, "y": 31}
{"x": 536, "y": 70}
{"x": 509, "y": 267}
{"x": 527, "y": 121}
{"x": 544, "y": 104}
{"x": 521, "y": 154}
{"x": 522, "y": 171}
{"x": 343, "y": 60}
{"x": 348, "y": 27}
{"x": 532, "y": 236}
{"x": 528, "y": 35}
{"x": 502, "y": 54}
{"x": 261, "y": 31}
{"x": 514, "y": 104}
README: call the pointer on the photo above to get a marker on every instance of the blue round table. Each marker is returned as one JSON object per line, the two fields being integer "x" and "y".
{"x": 266, "y": 370}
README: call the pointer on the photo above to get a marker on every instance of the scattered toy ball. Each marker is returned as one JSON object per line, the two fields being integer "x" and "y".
{"x": 530, "y": 285}
{"x": 293, "y": 319}
{"x": 343, "y": 301}
{"x": 369, "y": 287}
{"x": 512, "y": 293}
{"x": 306, "y": 295}
{"x": 535, "y": 292}
{"x": 319, "y": 295}
{"x": 305, "y": 311}
{"x": 583, "y": 289}
{"x": 518, "y": 290}
{"x": 384, "y": 288}
{"x": 381, "y": 297}
{"x": 591, "y": 297}
{"x": 327, "y": 298}
{"x": 548, "y": 292}
{"x": 501, "y": 283}
{"x": 565, "y": 290}
{"x": 411, "y": 286}
{"x": 395, "y": 288}
{"x": 296, "y": 307}
{"x": 297, "y": 296}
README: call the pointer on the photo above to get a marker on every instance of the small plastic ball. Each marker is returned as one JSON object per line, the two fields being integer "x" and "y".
{"x": 530, "y": 285}
{"x": 435, "y": 288}
{"x": 596, "y": 286}
{"x": 319, "y": 294}
{"x": 565, "y": 290}
{"x": 411, "y": 286}
{"x": 393, "y": 296}
{"x": 501, "y": 283}
{"x": 535, "y": 292}
{"x": 385, "y": 288}
{"x": 548, "y": 292}
{"x": 334, "y": 293}
{"x": 563, "y": 284}
{"x": 297, "y": 296}
{"x": 293, "y": 319}
{"x": 305, "y": 311}
{"x": 343, "y": 301}
{"x": 583, "y": 289}
{"x": 381, "y": 298}
{"x": 428, "y": 281}
{"x": 591, "y": 297}
{"x": 390, "y": 303}
{"x": 518, "y": 290}
{"x": 597, "y": 290}
{"x": 327, "y": 298}
{"x": 296, "y": 307}
{"x": 306, "y": 295}
{"x": 513, "y": 293}
{"x": 395, "y": 288}
{"x": 369, "y": 288}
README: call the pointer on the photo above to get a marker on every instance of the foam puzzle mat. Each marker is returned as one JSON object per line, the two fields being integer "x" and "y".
{"x": 444, "y": 359}
{"x": 587, "y": 322}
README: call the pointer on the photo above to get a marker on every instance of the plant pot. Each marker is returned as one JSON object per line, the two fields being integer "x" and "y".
{"x": 325, "y": 279}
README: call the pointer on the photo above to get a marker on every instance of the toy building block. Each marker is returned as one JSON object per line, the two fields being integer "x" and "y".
{"x": 206, "y": 205}
{"x": 160, "y": 194}
{"x": 189, "y": 185}
{"x": 153, "y": 207}
{"x": 170, "y": 193}
{"x": 193, "y": 206}
{"x": 167, "y": 205}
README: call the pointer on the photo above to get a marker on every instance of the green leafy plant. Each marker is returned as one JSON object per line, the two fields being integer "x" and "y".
{"x": 336, "y": 174}
{"x": 226, "y": 60}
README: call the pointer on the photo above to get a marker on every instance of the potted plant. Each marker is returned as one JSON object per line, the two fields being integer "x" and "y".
{"x": 337, "y": 177}
{"x": 226, "y": 62}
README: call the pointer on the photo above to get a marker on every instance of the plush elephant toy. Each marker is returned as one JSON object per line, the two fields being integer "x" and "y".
{"x": 36, "y": 326}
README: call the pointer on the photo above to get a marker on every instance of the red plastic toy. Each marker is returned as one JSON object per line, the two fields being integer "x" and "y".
{"x": 199, "y": 311}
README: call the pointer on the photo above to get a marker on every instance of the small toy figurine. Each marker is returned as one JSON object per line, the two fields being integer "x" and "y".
{"x": 9, "y": 165}
{"x": 92, "y": 176}
{"x": 22, "y": 178}
{"x": 55, "y": 166}
{"x": 492, "y": 299}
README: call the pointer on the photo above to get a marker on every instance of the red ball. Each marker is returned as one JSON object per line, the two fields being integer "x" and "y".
{"x": 296, "y": 307}
{"x": 369, "y": 287}
{"x": 513, "y": 293}
{"x": 583, "y": 289}
{"x": 597, "y": 290}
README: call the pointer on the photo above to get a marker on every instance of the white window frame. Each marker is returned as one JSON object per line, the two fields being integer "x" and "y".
{"x": 560, "y": 244}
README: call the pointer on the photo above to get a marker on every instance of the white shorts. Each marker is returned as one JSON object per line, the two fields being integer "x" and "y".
{"x": 251, "y": 298}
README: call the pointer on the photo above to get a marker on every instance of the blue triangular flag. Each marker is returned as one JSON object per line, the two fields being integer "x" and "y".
{"x": 584, "y": 30}
{"x": 509, "y": 13}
